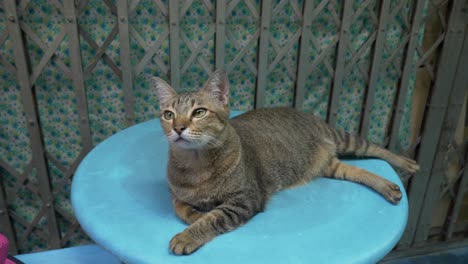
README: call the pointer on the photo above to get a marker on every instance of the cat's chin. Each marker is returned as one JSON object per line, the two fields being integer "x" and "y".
{"x": 185, "y": 144}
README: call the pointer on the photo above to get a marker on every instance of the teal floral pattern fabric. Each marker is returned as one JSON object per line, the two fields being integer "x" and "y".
{"x": 43, "y": 23}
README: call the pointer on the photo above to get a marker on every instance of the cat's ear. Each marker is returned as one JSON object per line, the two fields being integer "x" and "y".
{"x": 164, "y": 90}
{"x": 218, "y": 87}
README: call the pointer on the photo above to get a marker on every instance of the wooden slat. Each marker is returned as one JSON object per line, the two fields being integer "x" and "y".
{"x": 353, "y": 62}
{"x": 31, "y": 226}
{"x": 242, "y": 51}
{"x": 174, "y": 42}
{"x": 438, "y": 117}
{"x": 322, "y": 56}
{"x": 125, "y": 61}
{"x": 10, "y": 68}
{"x": 102, "y": 50}
{"x": 340, "y": 63}
{"x": 416, "y": 194}
{"x": 375, "y": 69}
{"x": 461, "y": 80}
{"x": 263, "y": 53}
{"x": 455, "y": 210}
{"x": 183, "y": 8}
{"x": 282, "y": 52}
{"x": 303, "y": 68}
{"x": 279, "y": 6}
{"x": 408, "y": 72}
{"x": 95, "y": 46}
{"x": 20, "y": 178}
{"x": 429, "y": 52}
{"x": 150, "y": 51}
{"x": 396, "y": 51}
{"x": 77, "y": 70}
{"x": 48, "y": 56}
{"x": 5, "y": 223}
{"x": 161, "y": 6}
{"x": 220, "y": 34}
{"x": 70, "y": 232}
{"x": 431, "y": 134}
{"x": 137, "y": 37}
{"x": 35, "y": 135}
{"x": 195, "y": 51}
{"x": 49, "y": 52}
{"x": 9, "y": 169}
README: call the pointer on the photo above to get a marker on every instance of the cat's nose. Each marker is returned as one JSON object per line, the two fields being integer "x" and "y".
{"x": 179, "y": 129}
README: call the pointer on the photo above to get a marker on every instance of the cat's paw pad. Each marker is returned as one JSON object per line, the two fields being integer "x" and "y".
{"x": 392, "y": 192}
{"x": 183, "y": 244}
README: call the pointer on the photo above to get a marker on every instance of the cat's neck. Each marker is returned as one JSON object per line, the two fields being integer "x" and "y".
{"x": 229, "y": 144}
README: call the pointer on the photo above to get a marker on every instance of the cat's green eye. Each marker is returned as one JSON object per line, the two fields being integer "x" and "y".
{"x": 200, "y": 112}
{"x": 168, "y": 115}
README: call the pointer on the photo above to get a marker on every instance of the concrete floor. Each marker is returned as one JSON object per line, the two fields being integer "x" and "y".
{"x": 454, "y": 256}
{"x": 95, "y": 254}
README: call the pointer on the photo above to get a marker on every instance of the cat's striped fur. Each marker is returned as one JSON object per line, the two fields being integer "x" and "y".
{"x": 222, "y": 172}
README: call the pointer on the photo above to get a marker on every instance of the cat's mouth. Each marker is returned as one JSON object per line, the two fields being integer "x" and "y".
{"x": 186, "y": 140}
{"x": 183, "y": 142}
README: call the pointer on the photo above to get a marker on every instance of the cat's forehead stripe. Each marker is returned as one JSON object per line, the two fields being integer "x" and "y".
{"x": 184, "y": 102}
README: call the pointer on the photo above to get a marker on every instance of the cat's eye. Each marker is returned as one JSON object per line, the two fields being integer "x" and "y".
{"x": 168, "y": 115}
{"x": 200, "y": 112}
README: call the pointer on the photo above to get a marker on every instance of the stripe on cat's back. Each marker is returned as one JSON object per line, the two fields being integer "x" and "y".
{"x": 333, "y": 135}
{"x": 346, "y": 141}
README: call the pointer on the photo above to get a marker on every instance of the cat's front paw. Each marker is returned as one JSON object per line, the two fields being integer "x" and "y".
{"x": 409, "y": 165}
{"x": 184, "y": 244}
{"x": 392, "y": 192}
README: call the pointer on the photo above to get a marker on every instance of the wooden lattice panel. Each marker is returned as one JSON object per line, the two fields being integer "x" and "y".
{"x": 445, "y": 34}
{"x": 240, "y": 57}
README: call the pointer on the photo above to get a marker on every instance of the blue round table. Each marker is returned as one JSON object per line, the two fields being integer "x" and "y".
{"x": 121, "y": 199}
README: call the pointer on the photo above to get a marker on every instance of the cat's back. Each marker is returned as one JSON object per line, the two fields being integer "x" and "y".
{"x": 279, "y": 143}
{"x": 270, "y": 122}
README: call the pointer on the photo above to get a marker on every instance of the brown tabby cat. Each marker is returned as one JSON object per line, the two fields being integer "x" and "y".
{"x": 222, "y": 172}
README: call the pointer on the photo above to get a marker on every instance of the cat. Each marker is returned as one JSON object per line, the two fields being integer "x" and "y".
{"x": 221, "y": 172}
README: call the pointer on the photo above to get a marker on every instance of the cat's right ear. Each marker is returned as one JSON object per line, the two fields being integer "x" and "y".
{"x": 164, "y": 90}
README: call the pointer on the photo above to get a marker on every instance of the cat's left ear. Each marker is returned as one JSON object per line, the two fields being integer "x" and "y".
{"x": 218, "y": 86}
{"x": 164, "y": 90}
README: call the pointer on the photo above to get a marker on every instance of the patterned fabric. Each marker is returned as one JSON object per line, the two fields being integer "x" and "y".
{"x": 43, "y": 23}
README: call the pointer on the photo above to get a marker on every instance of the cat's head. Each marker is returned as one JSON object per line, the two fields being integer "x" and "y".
{"x": 195, "y": 120}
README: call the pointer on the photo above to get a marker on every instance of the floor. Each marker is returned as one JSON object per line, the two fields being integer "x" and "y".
{"x": 454, "y": 256}
{"x": 91, "y": 253}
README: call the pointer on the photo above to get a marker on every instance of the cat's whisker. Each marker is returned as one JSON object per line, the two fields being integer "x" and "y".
{"x": 215, "y": 142}
{"x": 204, "y": 140}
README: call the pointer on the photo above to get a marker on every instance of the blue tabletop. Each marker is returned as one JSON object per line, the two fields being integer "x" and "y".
{"x": 121, "y": 199}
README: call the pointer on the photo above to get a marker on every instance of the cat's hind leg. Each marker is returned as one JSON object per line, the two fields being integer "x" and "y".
{"x": 343, "y": 171}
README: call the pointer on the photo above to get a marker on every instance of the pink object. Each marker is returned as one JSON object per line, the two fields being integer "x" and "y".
{"x": 4, "y": 250}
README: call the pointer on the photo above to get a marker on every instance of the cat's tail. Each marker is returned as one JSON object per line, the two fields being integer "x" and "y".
{"x": 349, "y": 144}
